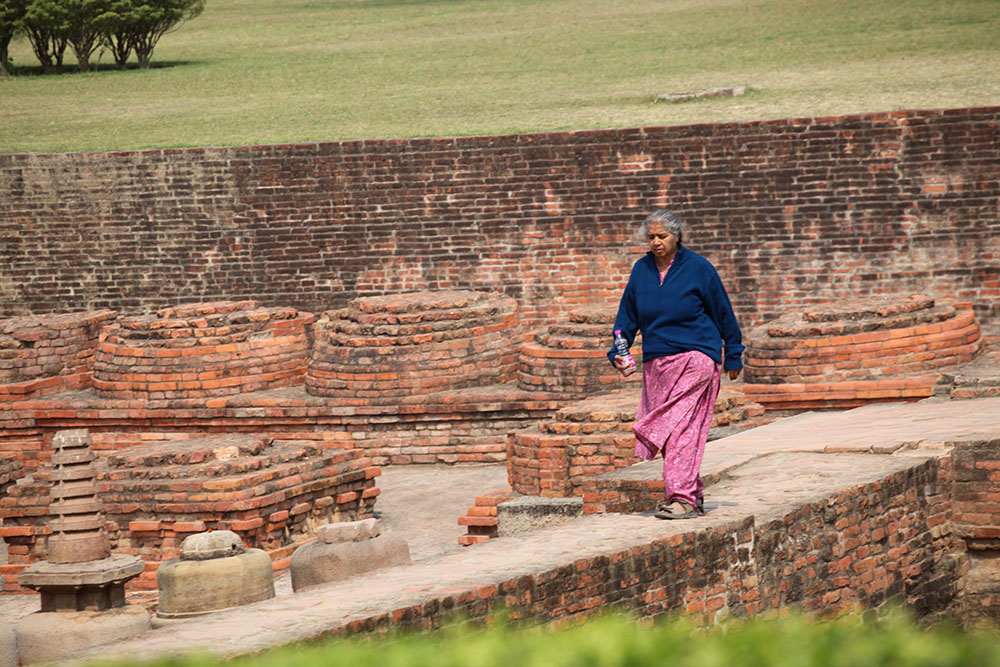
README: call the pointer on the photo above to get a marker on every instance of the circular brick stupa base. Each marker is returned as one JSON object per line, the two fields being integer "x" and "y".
{"x": 859, "y": 351}
{"x": 202, "y": 350}
{"x": 570, "y": 358}
{"x": 389, "y": 348}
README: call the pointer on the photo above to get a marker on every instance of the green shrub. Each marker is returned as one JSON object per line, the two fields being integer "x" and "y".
{"x": 893, "y": 639}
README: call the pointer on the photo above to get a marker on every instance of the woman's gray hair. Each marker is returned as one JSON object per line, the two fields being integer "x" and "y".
{"x": 668, "y": 219}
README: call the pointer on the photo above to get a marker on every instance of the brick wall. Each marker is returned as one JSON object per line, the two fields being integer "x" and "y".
{"x": 792, "y": 211}
{"x": 977, "y": 521}
{"x": 884, "y": 540}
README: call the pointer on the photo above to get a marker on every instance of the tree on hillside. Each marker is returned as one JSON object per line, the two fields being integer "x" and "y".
{"x": 85, "y": 28}
{"x": 137, "y": 25}
{"x": 11, "y": 16}
{"x": 117, "y": 34}
{"x": 46, "y": 23}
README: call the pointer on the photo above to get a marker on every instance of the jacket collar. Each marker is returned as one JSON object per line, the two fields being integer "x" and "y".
{"x": 678, "y": 258}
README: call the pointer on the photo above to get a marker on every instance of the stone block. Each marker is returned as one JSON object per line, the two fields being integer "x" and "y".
{"x": 730, "y": 91}
{"x": 8, "y": 646}
{"x": 321, "y": 562}
{"x": 349, "y": 531}
{"x": 527, "y": 513}
{"x": 191, "y": 588}
{"x": 209, "y": 545}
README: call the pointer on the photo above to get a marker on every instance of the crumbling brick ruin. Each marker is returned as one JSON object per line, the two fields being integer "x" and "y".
{"x": 206, "y": 420}
{"x": 45, "y": 354}
{"x": 264, "y": 327}
{"x": 569, "y": 358}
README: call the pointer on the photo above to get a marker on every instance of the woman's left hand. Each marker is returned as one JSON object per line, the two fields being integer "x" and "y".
{"x": 734, "y": 373}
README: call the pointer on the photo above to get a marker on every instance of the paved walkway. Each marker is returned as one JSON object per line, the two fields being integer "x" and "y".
{"x": 803, "y": 458}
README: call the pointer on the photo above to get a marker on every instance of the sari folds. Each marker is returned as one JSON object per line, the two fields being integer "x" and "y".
{"x": 673, "y": 418}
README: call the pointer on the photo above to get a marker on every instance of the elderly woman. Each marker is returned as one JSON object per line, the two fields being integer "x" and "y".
{"x": 675, "y": 298}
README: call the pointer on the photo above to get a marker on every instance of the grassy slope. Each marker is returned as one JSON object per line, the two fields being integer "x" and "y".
{"x": 256, "y": 71}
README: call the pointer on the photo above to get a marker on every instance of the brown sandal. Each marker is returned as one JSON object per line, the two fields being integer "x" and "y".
{"x": 690, "y": 511}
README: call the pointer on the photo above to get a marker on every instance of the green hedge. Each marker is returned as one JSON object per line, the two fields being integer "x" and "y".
{"x": 615, "y": 640}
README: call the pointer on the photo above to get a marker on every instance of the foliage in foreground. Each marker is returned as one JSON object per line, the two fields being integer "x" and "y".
{"x": 857, "y": 640}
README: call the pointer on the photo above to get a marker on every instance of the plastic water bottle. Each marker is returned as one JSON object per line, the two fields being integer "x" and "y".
{"x": 621, "y": 346}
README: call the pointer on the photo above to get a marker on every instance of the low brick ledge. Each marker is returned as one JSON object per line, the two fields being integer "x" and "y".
{"x": 290, "y": 401}
{"x": 840, "y": 395}
{"x": 465, "y": 426}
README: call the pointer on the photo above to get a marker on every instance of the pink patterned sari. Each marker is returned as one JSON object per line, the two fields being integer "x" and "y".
{"x": 673, "y": 417}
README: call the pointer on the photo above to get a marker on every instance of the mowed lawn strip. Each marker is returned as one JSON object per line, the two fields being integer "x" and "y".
{"x": 257, "y": 72}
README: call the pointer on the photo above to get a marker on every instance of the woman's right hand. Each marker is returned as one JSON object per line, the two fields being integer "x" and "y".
{"x": 619, "y": 362}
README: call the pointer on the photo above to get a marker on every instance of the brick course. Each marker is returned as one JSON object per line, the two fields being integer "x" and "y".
{"x": 793, "y": 212}
{"x": 464, "y": 426}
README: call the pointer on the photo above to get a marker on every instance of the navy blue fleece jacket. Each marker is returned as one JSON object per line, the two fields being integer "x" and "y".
{"x": 689, "y": 311}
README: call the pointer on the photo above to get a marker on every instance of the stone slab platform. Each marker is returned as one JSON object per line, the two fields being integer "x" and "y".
{"x": 765, "y": 477}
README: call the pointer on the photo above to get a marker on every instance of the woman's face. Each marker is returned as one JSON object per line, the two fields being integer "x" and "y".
{"x": 662, "y": 243}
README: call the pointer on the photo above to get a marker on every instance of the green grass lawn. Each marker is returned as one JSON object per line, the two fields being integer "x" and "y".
{"x": 256, "y": 71}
